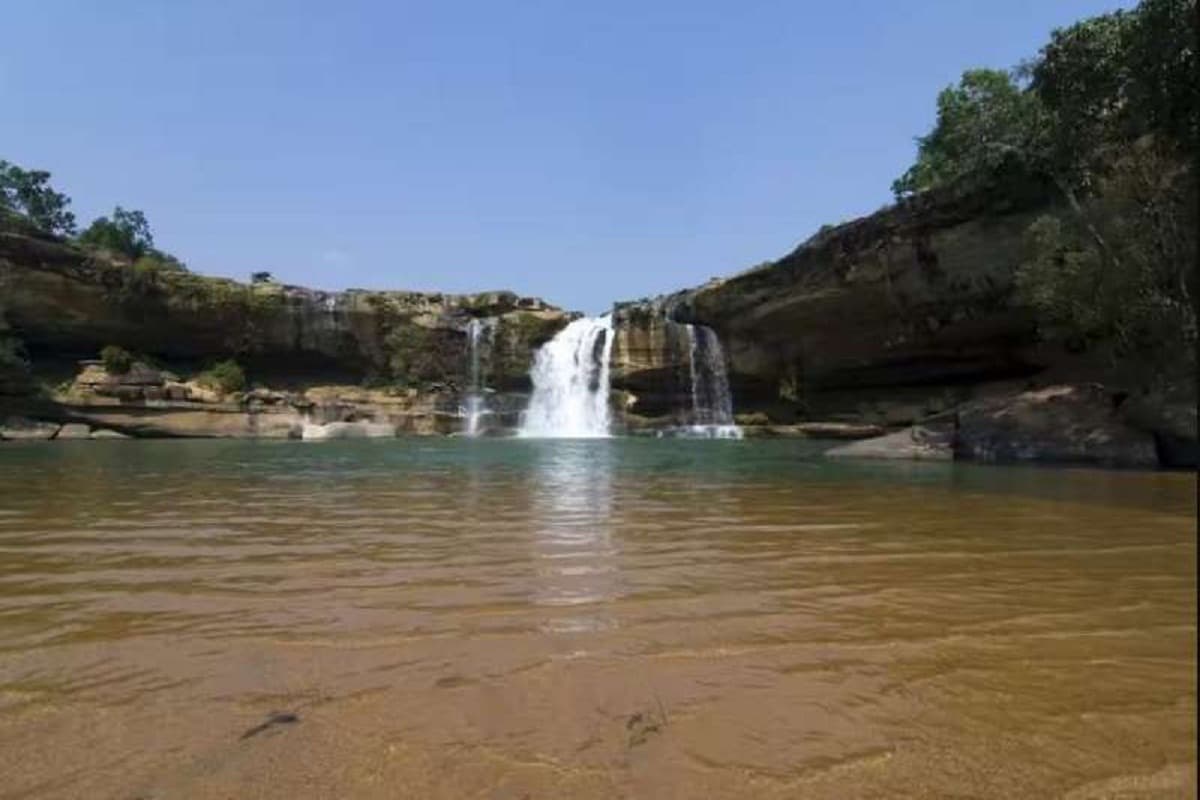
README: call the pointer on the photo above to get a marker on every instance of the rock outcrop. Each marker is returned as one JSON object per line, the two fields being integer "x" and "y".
{"x": 1065, "y": 424}
{"x": 890, "y": 320}
{"x": 64, "y": 304}
{"x": 915, "y": 299}
{"x": 891, "y": 324}
{"x": 60, "y": 300}
{"x": 1072, "y": 424}
{"x": 916, "y": 443}
{"x": 22, "y": 428}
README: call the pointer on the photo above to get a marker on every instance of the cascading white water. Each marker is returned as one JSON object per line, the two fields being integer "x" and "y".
{"x": 712, "y": 402}
{"x": 571, "y": 383}
{"x": 475, "y": 403}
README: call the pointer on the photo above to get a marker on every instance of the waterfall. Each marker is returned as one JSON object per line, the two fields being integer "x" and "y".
{"x": 475, "y": 402}
{"x": 570, "y": 383}
{"x": 712, "y": 402}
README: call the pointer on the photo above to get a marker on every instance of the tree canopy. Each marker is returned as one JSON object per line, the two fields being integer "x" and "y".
{"x": 28, "y": 192}
{"x": 126, "y": 232}
{"x": 984, "y": 124}
{"x": 1096, "y": 87}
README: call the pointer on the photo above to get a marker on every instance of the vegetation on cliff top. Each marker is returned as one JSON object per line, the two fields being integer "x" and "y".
{"x": 28, "y": 196}
{"x": 117, "y": 360}
{"x": 1105, "y": 122}
{"x": 224, "y": 376}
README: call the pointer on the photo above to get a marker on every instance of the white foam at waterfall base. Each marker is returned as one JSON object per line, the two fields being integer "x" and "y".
{"x": 571, "y": 383}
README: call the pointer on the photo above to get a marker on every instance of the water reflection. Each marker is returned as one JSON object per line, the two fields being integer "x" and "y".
{"x": 575, "y": 554}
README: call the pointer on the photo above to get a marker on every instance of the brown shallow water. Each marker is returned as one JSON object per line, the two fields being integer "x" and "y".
{"x": 587, "y": 620}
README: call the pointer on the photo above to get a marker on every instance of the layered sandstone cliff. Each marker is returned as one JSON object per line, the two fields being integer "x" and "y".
{"x": 399, "y": 356}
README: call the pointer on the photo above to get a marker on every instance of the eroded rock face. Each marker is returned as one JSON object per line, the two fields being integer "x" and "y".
{"x": 1065, "y": 424}
{"x": 64, "y": 304}
{"x": 650, "y": 368}
{"x": 917, "y": 295}
{"x": 59, "y": 300}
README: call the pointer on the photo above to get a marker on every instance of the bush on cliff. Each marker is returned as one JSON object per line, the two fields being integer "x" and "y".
{"x": 224, "y": 376}
{"x": 28, "y": 193}
{"x": 416, "y": 356}
{"x": 117, "y": 360}
{"x": 125, "y": 233}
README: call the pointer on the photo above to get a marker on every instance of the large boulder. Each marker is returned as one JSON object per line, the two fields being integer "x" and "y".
{"x": 932, "y": 441}
{"x": 1169, "y": 415}
{"x": 73, "y": 430}
{"x": 1070, "y": 424}
{"x": 348, "y": 430}
{"x": 104, "y": 433}
{"x": 197, "y": 422}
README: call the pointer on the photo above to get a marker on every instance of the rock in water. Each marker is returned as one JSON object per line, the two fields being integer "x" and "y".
{"x": 1072, "y": 424}
{"x": 918, "y": 443}
{"x": 74, "y": 430}
{"x": 348, "y": 430}
{"x": 22, "y": 428}
{"x": 274, "y": 719}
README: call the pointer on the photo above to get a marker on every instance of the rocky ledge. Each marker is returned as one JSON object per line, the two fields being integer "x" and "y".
{"x": 902, "y": 317}
{"x": 1065, "y": 424}
{"x": 383, "y": 358}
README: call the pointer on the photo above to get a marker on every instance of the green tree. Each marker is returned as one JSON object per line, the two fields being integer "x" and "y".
{"x": 126, "y": 232}
{"x": 1109, "y": 80}
{"x": 28, "y": 192}
{"x": 1164, "y": 88}
{"x": 1079, "y": 76}
{"x": 117, "y": 360}
{"x": 985, "y": 124}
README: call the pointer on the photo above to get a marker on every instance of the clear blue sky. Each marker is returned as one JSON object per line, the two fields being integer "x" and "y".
{"x": 582, "y": 151}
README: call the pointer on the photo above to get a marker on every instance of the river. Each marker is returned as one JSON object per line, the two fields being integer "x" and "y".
{"x": 459, "y": 618}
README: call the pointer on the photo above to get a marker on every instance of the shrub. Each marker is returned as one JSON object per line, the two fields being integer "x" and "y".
{"x": 224, "y": 376}
{"x": 1121, "y": 274}
{"x": 126, "y": 232}
{"x": 117, "y": 360}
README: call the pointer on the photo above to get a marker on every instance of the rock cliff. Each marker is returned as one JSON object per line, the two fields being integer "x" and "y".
{"x": 65, "y": 304}
{"x": 892, "y": 320}
{"x": 913, "y": 302}
{"x": 888, "y": 320}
